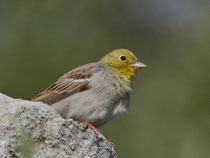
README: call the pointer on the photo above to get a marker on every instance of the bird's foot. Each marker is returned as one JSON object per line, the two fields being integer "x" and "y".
{"x": 110, "y": 144}
{"x": 97, "y": 131}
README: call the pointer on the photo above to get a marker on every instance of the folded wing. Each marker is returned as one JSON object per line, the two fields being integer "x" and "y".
{"x": 72, "y": 82}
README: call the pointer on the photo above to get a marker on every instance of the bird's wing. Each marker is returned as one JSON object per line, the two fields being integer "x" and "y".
{"x": 72, "y": 82}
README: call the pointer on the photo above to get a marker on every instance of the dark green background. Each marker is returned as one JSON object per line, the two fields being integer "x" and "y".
{"x": 40, "y": 40}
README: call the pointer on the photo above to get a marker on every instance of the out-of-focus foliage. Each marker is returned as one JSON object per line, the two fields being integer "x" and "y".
{"x": 169, "y": 113}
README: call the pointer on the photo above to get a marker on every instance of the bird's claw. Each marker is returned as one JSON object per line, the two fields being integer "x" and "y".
{"x": 97, "y": 131}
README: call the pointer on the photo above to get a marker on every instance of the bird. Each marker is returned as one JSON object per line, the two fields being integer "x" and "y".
{"x": 95, "y": 93}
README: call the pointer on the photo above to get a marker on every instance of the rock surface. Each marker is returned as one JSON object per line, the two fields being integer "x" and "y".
{"x": 53, "y": 136}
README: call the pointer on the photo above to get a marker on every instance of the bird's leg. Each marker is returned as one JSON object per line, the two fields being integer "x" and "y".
{"x": 95, "y": 130}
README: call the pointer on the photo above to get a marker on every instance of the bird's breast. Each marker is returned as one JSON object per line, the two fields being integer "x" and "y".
{"x": 99, "y": 104}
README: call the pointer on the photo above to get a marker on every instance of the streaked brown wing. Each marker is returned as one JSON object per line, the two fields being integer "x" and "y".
{"x": 72, "y": 82}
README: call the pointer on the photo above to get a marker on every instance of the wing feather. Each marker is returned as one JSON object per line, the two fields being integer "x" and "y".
{"x": 72, "y": 82}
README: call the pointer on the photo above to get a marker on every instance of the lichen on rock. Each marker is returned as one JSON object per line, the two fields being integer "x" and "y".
{"x": 50, "y": 135}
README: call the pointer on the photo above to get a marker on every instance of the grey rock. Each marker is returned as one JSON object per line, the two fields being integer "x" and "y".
{"x": 52, "y": 136}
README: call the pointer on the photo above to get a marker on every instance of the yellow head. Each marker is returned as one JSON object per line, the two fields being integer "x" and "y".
{"x": 123, "y": 62}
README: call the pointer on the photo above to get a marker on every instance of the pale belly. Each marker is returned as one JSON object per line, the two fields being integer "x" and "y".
{"x": 98, "y": 105}
{"x": 95, "y": 107}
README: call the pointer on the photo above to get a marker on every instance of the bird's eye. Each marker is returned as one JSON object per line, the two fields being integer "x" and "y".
{"x": 123, "y": 58}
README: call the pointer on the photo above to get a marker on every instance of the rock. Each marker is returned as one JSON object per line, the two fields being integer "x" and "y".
{"x": 49, "y": 135}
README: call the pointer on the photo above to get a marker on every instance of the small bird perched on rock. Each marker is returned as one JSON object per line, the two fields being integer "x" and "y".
{"x": 95, "y": 93}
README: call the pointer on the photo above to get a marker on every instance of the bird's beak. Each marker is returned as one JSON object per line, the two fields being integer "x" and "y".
{"x": 139, "y": 65}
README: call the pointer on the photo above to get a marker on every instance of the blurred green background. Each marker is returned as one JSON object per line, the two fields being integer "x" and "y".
{"x": 169, "y": 113}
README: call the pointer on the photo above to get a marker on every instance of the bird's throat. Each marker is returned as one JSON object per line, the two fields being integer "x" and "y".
{"x": 125, "y": 74}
